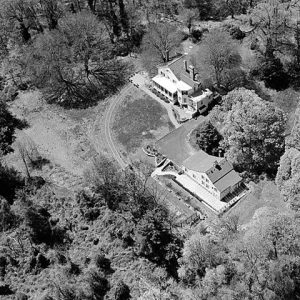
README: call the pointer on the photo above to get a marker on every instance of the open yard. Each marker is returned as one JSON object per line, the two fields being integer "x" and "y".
{"x": 138, "y": 121}
{"x": 264, "y": 194}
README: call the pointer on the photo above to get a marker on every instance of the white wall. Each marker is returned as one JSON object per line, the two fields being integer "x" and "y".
{"x": 204, "y": 181}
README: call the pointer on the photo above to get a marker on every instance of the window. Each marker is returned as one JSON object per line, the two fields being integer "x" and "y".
{"x": 206, "y": 180}
{"x": 207, "y": 185}
{"x": 194, "y": 175}
{"x": 202, "y": 176}
{"x": 184, "y": 92}
{"x": 203, "y": 183}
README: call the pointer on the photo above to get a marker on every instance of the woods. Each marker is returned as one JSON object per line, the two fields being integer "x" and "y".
{"x": 77, "y": 225}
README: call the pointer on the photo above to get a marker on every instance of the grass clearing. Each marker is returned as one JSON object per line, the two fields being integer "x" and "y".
{"x": 140, "y": 120}
{"x": 264, "y": 194}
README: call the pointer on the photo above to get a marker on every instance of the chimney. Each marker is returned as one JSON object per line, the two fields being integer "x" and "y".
{"x": 217, "y": 165}
{"x": 185, "y": 65}
{"x": 192, "y": 72}
{"x": 220, "y": 152}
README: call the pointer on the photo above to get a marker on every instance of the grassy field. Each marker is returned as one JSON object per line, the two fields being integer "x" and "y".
{"x": 264, "y": 194}
{"x": 140, "y": 120}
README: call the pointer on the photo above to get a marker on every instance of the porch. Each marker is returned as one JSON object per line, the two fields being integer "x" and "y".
{"x": 165, "y": 87}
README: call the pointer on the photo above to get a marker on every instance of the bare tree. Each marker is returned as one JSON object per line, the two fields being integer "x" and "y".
{"x": 160, "y": 44}
{"x": 24, "y": 156}
{"x": 219, "y": 53}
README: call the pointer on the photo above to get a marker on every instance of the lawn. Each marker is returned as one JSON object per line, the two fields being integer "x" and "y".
{"x": 140, "y": 120}
{"x": 264, "y": 194}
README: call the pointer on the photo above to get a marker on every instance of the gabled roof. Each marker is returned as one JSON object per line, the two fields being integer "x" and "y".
{"x": 177, "y": 67}
{"x": 219, "y": 170}
{"x": 188, "y": 80}
{"x": 183, "y": 86}
{"x": 201, "y": 162}
{"x": 230, "y": 179}
{"x": 215, "y": 172}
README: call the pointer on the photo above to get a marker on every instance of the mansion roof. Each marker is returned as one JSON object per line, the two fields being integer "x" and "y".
{"x": 219, "y": 170}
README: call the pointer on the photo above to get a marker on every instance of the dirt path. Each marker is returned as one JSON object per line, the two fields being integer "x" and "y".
{"x": 107, "y": 123}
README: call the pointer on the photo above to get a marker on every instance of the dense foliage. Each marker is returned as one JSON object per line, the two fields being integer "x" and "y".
{"x": 253, "y": 131}
{"x": 207, "y": 138}
{"x": 117, "y": 239}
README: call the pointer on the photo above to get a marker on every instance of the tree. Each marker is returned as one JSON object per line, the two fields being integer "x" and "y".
{"x": 102, "y": 263}
{"x": 204, "y": 7}
{"x": 219, "y": 53}
{"x": 253, "y": 132}
{"x": 7, "y": 217}
{"x": 159, "y": 44}
{"x": 271, "y": 71}
{"x": 188, "y": 17}
{"x": 79, "y": 70}
{"x": 23, "y": 15}
{"x": 107, "y": 182}
{"x": 288, "y": 177}
{"x": 122, "y": 291}
{"x": 99, "y": 285}
{"x": 155, "y": 240}
{"x": 199, "y": 252}
{"x": 52, "y": 11}
{"x": 233, "y": 7}
{"x": 8, "y": 125}
{"x": 207, "y": 138}
{"x": 10, "y": 181}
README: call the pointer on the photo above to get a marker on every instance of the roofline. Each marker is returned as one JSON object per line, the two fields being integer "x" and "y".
{"x": 173, "y": 61}
{"x": 218, "y": 159}
{"x": 218, "y": 178}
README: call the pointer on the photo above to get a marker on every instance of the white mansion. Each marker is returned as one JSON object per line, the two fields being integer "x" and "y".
{"x": 179, "y": 82}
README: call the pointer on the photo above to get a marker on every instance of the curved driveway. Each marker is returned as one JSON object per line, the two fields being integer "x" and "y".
{"x": 107, "y": 122}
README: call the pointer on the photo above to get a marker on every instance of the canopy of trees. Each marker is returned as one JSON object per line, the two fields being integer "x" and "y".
{"x": 74, "y": 65}
{"x": 253, "y": 131}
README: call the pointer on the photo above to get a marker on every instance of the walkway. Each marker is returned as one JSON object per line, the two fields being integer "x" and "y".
{"x": 141, "y": 81}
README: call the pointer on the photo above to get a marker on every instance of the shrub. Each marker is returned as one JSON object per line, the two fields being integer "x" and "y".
{"x": 196, "y": 35}
{"x": 98, "y": 284}
{"x": 237, "y": 33}
{"x": 90, "y": 205}
{"x": 207, "y": 138}
{"x": 102, "y": 263}
{"x": 271, "y": 71}
{"x": 7, "y": 217}
{"x": 122, "y": 291}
